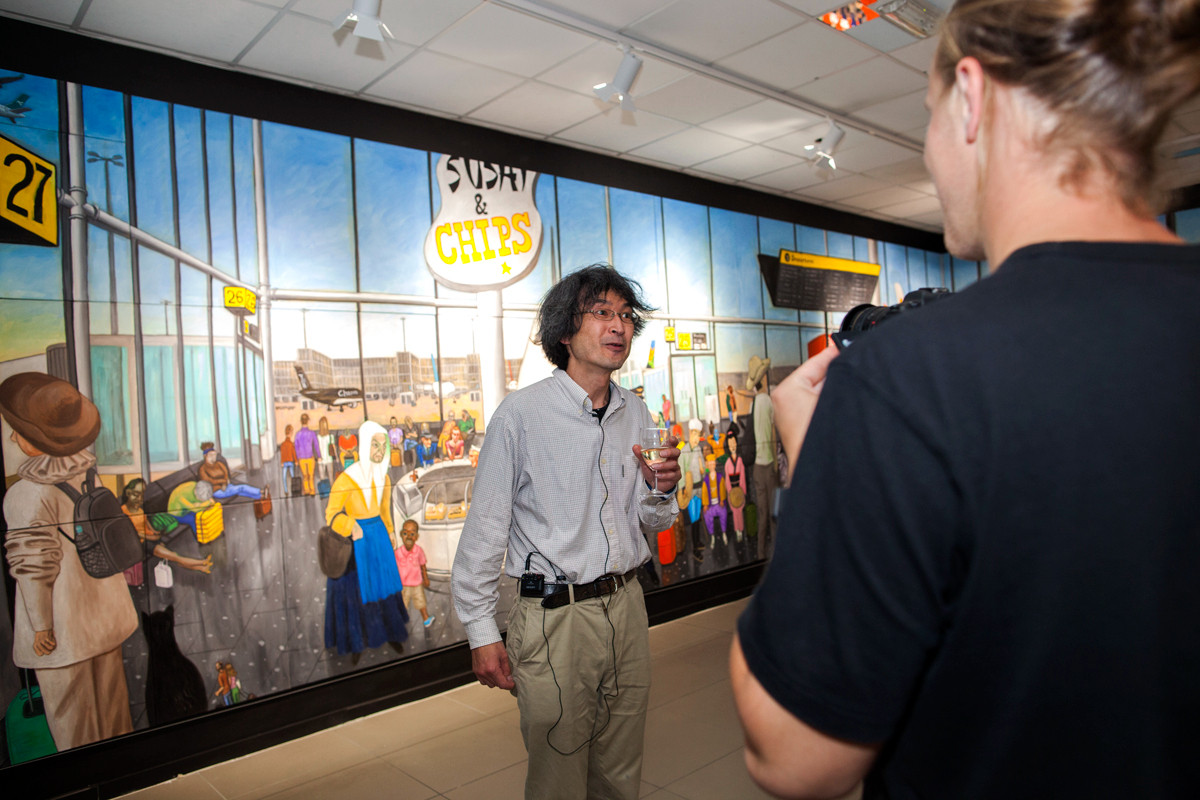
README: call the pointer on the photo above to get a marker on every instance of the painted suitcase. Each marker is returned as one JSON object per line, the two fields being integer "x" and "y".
{"x": 666, "y": 546}
{"x": 262, "y": 506}
{"x": 25, "y": 727}
{"x": 210, "y": 523}
{"x": 323, "y": 488}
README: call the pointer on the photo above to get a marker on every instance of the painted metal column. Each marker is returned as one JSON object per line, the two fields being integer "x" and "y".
{"x": 489, "y": 342}
{"x": 76, "y": 153}
{"x": 264, "y": 285}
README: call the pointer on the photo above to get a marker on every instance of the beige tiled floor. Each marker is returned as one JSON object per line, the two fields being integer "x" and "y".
{"x": 466, "y": 744}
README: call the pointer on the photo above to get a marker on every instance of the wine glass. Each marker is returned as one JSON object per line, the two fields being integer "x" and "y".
{"x": 654, "y": 440}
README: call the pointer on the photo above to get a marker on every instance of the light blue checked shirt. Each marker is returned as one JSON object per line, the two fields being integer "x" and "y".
{"x": 555, "y": 483}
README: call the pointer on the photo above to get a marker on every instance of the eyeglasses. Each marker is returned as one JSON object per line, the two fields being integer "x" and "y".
{"x": 606, "y": 315}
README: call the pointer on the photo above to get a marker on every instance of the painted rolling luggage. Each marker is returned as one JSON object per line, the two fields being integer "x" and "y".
{"x": 323, "y": 488}
{"x": 262, "y": 506}
{"x": 666, "y": 546}
{"x": 25, "y": 726}
{"x": 210, "y": 523}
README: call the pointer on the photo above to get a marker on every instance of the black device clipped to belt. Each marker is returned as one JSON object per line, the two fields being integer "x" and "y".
{"x": 557, "y": 595}
{"x": 532, "y": 583}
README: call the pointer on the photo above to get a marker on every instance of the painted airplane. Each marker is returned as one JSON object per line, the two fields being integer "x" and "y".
{"x": 16, "y": 109}
{"x": 341, "y": 396}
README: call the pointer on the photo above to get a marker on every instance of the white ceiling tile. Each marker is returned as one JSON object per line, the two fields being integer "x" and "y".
{"x": 217, "y": 29}
{"x": 912, "y": 207}
{"x": 872, "y": 155}
{"x": 910, "y": 170}
{"x": 689, "y": 147}
{"x": 814, "y": 7}
{"x": 613, "y": 130}
{"x": 443, "y": 83}
{"x": 903, "y": 113}
{"x": 304, "y": 48}
{"x": 882, "y": 35}
{"x": 695, "y": 99}
{"x": 538, "y": 107}
{"x": 931, "y": 222}
{"x": 789, "y": 179}
{"x": 712, "y": 29}
{"x": 1188, "y": 119}
{"x": 649, "y": 162}
{"x": 879, "y": 198}
{"x": 709, "y": 176}
{"x": 61, "y": 12}
{"x": 797, "y": 56}
{"x": 762, "y": 121}
{"x": 599, "y": 63}
{"x": 509, "y": 70}
{"x": 410, "y": 21}
{"x": 839, "y": 188}
{"x": 509, "y": 41}
{"x": 918, "y": 55}
{"x": 862, "y": 85}
{"x": 754, "y": 160}
{"x": 615, "y": 14}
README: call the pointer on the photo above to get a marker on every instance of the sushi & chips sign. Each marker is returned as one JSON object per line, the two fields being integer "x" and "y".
{"x": 487, "y": 233}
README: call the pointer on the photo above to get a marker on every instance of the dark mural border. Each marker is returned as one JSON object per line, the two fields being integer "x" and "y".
{"x": 143, "y": 758}
{"x": 54, "y": 53}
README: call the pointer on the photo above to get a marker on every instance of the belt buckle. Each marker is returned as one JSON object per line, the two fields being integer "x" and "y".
{"x": 611, "y": 580}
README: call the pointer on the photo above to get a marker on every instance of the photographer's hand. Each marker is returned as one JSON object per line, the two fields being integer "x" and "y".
{"x": 795, "y": 399}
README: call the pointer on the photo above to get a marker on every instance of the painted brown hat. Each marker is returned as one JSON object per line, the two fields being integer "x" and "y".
{"x": 758, "y": 368}
{"x": 49, "y": 412}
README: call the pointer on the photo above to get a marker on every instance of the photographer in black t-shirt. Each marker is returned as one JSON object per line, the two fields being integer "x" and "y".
{"x": 984, "y": 577}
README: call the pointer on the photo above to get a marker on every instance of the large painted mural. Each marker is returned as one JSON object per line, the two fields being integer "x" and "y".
{"x": 242, "y": 345}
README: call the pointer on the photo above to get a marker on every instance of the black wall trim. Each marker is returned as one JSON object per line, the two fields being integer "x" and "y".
{"x": 58, "y": 54}
{"x": 144, "y": 758}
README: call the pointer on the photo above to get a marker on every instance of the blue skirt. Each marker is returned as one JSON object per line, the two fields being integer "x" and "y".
{"x": 354, "y": 623}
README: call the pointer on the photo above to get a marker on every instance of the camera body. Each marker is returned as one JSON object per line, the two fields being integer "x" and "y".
{"x": 863, "y": 318}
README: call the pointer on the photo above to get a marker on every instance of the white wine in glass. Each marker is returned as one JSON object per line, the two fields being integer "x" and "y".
{"x": 654, "y": 441}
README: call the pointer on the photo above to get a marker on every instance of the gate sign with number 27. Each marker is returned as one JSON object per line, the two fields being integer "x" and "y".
{"x": 28, "y": 197}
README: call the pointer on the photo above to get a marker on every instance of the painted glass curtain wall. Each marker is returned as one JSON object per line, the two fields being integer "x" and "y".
{"x": 349, "y": 327}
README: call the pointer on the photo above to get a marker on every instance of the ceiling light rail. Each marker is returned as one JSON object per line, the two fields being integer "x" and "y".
{"x": 565, "y": 19}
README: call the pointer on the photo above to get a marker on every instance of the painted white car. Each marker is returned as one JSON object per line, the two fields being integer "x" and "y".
{"x": 438, "y": 499}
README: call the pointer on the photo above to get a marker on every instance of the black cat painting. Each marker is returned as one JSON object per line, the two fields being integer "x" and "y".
{"x": 174, "y": 688}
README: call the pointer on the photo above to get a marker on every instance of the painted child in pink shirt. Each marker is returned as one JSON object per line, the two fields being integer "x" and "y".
{"x": 410, "y": 560}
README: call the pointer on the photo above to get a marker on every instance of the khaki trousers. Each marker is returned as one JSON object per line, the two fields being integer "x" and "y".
{"x": 583, "y": 685}
{"x": 86, "y": 702}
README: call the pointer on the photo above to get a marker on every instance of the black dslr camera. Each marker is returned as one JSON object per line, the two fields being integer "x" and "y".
{"x": 863, "y": 318}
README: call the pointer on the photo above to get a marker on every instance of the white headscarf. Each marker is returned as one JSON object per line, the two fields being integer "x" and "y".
{"x": 365, "y": 473}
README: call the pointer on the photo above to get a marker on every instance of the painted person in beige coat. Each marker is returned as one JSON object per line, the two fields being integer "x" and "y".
{"x": 68, "y": 625}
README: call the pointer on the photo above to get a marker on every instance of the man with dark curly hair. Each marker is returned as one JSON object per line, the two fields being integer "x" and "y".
{"x": 561, "y": 485}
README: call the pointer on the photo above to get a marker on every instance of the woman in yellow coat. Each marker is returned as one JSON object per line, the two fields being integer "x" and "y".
{"x": 364, "y": 608}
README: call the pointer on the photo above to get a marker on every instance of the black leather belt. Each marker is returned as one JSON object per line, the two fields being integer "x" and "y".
{"x": 556, "y": 595}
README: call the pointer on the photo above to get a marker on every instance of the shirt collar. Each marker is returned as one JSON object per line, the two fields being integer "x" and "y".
{"x": 580, "y": 398}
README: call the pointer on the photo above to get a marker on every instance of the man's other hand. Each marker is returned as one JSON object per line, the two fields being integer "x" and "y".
{"x": 491, "y": 667}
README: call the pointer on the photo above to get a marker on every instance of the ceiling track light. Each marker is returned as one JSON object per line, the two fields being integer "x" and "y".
{"x": 911, "y": 16}
{"x": 824, "y": 145}
{"x": 621, "y": 83}
{"x": 365, "y": 16}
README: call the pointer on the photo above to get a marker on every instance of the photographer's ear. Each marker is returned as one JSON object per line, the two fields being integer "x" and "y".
{"x": 970, "y": 86}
